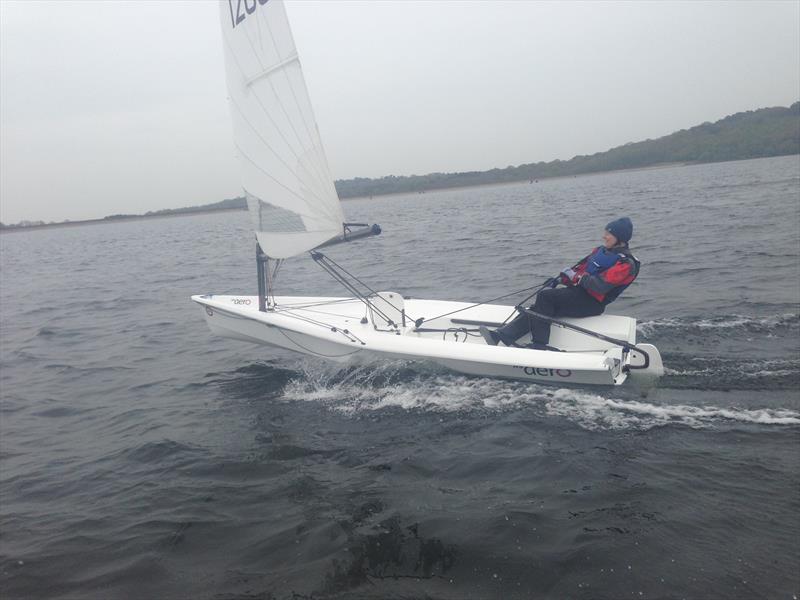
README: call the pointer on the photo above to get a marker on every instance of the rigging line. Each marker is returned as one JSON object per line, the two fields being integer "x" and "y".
{"x": 264, "y": 109}
{"x": 332, "y": 314}
{"x": 342, "y": 281}
{"x": 346, "y": 272}
{"x": 327, "y": 326}
{"x": 486, "y": 302}
{"x": 270, "y": 284}
{"x": 540, "y": 288}
{"x": 346, "y": 333}
{"x": 347, "y": 285}
{"x": 310, "y": 308}
{"x": 266, "y": 143}
{"x": 299, "y": 345}
{"x": 290, "y": 314}
{"x": 326, "y": 174}
{"x": 339, "y": 279}
{"x": 350, "y": 336}
{"x": 265, "y": 273}
{"x": 323, "y": 324}
{"x": 514, "y": 312}
{"x": 271, "y": 290}
{"x": 268, "y": 273}
{"x": 278, "y": 263}
{"x": 321, "y": 303}
{"x": 324, "y": 178}
{"x": 323, "y": 261}
{"x": 366, "y": 300}
{"x": 363, "y": 297}
{"x": 330, "y": 326}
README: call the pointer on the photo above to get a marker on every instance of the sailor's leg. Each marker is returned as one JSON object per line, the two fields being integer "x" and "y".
{"x": 558, "y": 302}
{"x": 546, "y": 303}
{"x": 575, "y": 302}
{"x": 561, "y": 302}
{"x": 514, "y": 329}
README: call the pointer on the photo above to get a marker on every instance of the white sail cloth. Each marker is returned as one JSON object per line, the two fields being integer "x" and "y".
{"x": 285, "y": 175}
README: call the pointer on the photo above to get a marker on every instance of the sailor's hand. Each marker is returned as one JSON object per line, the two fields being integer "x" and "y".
{"x": 567, "y": 276}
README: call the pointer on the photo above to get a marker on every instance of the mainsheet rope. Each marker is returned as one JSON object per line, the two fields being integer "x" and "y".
{"x": 536, "y": 288}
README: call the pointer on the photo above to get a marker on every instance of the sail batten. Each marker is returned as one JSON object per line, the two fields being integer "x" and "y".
{"x": 288, "y": 184}
{"x": 272, "y": 69}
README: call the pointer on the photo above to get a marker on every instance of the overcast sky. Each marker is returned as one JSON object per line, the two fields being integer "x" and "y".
{"x": 120, "y": 107}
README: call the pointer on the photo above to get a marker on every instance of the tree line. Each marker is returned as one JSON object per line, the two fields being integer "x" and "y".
{"x": 751, "y": 134}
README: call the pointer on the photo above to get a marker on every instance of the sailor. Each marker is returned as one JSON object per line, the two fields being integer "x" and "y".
{"x": 591, "y": 285}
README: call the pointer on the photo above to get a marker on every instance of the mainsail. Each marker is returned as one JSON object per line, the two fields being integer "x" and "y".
{"x": 285, "y": 175}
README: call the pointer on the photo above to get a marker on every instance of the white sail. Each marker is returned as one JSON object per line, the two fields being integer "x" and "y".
{"x": 285, "y": 175}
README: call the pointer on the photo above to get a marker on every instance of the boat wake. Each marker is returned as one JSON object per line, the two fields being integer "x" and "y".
{"x": 596, "y": 412}
{"x": 409, "y": 387}
{"x": 721, "y": 325}
{"x": 717, "y": 373}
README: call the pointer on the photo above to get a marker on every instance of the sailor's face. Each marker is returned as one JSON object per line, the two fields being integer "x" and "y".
{"x": 609, "y": 241}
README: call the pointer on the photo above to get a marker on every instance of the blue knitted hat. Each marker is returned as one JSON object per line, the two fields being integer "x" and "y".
{"x": 622, "y": 229}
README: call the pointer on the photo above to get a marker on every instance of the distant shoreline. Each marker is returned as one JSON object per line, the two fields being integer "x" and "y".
{"x": 206, "y": 211}
{"x": 108, "y": 221}
{"x": 551, "y": 178}
{"x": 199, "y": 211}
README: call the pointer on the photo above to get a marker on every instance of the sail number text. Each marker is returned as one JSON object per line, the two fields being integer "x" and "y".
{"x": 242, "y": 9}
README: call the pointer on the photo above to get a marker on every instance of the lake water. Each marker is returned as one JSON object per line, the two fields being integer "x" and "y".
{"x": 140, "y": 457}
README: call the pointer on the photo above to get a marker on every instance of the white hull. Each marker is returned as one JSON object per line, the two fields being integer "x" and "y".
{"x": 342, "y": 329}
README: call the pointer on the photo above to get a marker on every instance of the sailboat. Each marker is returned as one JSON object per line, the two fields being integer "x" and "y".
{"x": 295, "y": 210}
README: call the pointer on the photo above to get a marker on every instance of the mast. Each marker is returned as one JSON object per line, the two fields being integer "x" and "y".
{"x": 262, "y": 267}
